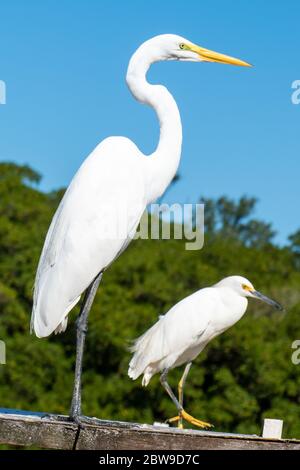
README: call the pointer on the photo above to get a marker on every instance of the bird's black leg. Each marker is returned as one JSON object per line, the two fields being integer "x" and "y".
{"x": 163, "y": 381}
{"x": 82, "y": 325}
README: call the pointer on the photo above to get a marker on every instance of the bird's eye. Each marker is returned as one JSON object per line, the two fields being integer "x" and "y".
{"x": 182, "y": 46}
{"x": 245, "y": 287}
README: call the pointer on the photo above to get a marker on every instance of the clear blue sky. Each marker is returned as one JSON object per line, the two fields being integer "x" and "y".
{"x": 64, "y": 64}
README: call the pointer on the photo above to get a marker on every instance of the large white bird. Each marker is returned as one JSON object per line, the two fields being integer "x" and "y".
{"x": 179, "y": 336}
{"x": 101, "y": 209}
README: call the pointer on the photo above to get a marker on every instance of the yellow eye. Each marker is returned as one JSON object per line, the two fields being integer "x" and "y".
{"x": 245, "y": 287}
{"x": 182, "y": 46}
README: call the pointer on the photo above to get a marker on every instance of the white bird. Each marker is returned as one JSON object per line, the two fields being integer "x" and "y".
{"x": 101, "y": 209}
{"x": 180, "y": 335}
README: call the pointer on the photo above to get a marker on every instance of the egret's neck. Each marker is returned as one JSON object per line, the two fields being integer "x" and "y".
{"x": 162, "y": 165}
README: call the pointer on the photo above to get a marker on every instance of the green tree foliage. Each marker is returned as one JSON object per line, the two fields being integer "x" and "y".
{"x": 243, "y": 376}
{"x": 232, "y": 219}
{"x": 295, "y": 247}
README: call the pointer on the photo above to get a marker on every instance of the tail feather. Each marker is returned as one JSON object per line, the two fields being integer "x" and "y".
{"x": 62, "y": 326}
{"x": 147, "y": 351}
{"x": 41, "y": 329}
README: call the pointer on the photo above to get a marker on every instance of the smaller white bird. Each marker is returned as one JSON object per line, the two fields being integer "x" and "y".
{"x": 179, "y": 336}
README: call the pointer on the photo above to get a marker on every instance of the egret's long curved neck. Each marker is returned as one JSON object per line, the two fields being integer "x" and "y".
{"x": 163, "y": 163}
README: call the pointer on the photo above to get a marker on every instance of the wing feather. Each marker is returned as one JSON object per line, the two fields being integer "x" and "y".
{"x": 94, "y": 222}
{"x": 181, "y": 329}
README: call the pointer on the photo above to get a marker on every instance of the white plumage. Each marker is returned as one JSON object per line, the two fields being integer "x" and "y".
{"x": 89, "y": 230}
{"x": 102, "y": 207}
{"x": 179, "y": 336}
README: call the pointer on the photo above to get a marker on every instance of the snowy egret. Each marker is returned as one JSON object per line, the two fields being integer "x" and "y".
{"x": 101, "y": 209}
{"x": 179, "y": 336}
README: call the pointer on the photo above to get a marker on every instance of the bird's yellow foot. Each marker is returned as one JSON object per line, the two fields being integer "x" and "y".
{"x": 190, "y": 419}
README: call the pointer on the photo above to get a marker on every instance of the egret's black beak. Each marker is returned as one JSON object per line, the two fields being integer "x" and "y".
{"x": 266, "y": 299}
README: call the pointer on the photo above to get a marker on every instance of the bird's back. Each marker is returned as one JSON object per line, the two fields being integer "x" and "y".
{"x": 180, "y": 330}
{"x": 180, "y": 335}
{"x": 94, "y": 222}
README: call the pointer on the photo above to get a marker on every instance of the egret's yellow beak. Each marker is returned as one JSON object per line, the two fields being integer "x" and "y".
{"x": 211, "y": 56}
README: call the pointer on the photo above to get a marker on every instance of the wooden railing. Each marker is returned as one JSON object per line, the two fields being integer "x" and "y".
{"x": 57, "y": 432}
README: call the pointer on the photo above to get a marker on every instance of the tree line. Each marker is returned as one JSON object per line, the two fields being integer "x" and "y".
{"x": 243, "y": 376}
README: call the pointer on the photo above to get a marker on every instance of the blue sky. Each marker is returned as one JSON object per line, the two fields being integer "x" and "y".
{"x": 64, "y": 64}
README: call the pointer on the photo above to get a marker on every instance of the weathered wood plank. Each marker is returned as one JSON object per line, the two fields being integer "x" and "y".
{"x": 58, "y": 433}
{"x": 37, "y": 431}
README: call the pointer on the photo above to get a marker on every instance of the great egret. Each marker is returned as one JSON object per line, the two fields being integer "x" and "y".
{"x": 179, "y": 336}
{"x": 101, "y": 209}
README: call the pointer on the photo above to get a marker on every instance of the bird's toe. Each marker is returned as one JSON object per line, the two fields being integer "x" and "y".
{"x": 196, "y": 422}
